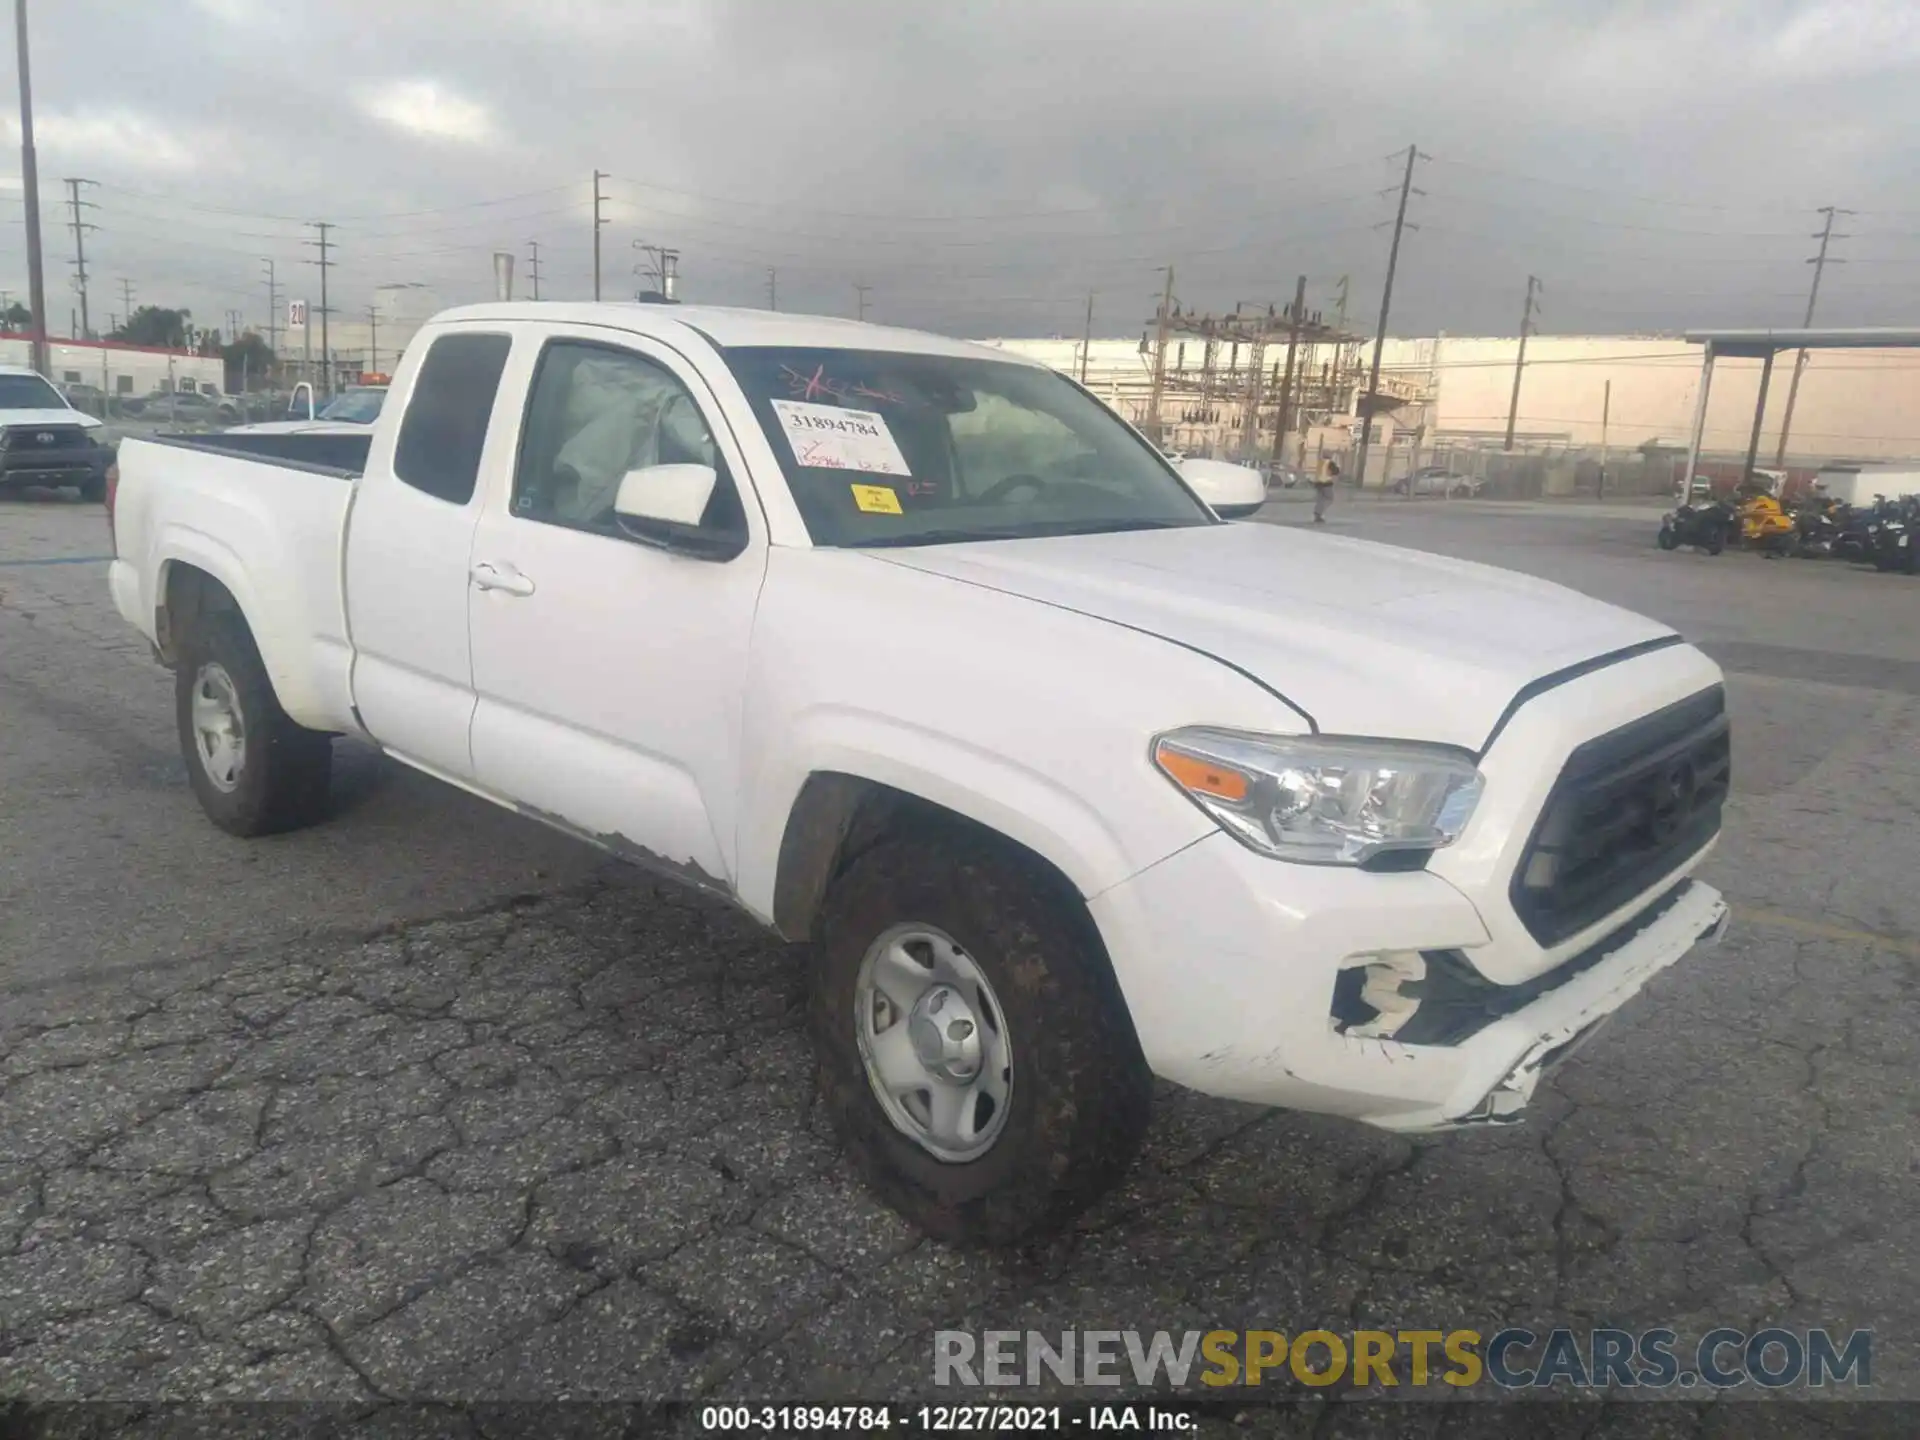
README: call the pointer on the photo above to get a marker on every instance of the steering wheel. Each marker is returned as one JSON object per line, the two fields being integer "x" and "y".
{"x": 1008, "y": 483}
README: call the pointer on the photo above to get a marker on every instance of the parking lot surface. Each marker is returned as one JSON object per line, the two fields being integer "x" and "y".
{"x": 431, "y": 1103}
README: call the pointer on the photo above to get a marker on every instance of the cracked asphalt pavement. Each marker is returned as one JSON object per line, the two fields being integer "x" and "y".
{"x": 429, "y": 1103}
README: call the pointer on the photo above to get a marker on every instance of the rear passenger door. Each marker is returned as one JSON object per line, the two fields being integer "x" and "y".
{"x": 408, "y": 543}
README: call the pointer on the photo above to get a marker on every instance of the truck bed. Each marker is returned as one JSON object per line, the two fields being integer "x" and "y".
{"x": 248, "y": 508}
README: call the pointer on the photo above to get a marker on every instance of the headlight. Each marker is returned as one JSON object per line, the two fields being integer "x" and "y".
{"x": 1319, "y": 800}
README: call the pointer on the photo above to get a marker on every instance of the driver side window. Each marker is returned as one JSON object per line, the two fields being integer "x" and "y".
{"x": 597, "y": 413}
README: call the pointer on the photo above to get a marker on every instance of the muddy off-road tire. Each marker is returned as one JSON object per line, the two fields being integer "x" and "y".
{"x": 939, "y": 939}
{"x": 253, "y": 770}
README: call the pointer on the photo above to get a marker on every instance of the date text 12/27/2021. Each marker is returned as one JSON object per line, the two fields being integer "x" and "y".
{"x": 944, "y": 1419}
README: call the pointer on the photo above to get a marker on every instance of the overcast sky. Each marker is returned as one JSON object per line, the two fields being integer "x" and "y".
{"x": 983, "y": 166}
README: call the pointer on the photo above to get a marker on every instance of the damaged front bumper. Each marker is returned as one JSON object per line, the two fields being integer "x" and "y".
{"x": 1231, "y": 967}
{"x": 1559, "y": 1023}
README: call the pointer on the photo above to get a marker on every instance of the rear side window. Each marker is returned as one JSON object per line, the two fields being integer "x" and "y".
{"x": 445, "y": 426}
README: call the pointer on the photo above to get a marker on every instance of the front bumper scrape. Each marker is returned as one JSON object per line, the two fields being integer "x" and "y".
{"x": 1565, "y": 1019}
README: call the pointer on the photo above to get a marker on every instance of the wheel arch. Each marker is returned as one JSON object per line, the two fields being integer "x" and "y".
{"x": 195, "y": 583}
{"x": 838, "y": 816}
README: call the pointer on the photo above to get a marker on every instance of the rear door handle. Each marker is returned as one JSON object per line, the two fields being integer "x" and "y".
{"x": 504, "y": 578}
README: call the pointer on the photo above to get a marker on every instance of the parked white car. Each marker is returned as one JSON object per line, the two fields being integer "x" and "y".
{"x": 920, "y": 655}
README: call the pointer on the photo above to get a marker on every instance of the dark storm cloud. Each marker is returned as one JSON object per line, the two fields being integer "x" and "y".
{"x": 983, "y": 166}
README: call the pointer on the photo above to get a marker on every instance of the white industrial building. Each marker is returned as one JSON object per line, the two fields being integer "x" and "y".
{"x": 118, "y": 369}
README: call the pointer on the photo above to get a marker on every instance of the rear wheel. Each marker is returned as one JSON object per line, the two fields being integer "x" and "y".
{"x": 975, "y": 1054}
{"x": 253, "y": 770}
{"x": 1667, "y": 539}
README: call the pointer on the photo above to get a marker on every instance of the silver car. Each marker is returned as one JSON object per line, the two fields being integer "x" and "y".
{"x": 1438, "y": 480}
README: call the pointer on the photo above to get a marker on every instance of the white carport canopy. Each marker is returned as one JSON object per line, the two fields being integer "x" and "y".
{"x": 1763, "y": 345}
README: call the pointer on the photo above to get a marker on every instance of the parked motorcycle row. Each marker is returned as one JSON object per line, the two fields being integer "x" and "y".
{"x": 1814, "y": 527}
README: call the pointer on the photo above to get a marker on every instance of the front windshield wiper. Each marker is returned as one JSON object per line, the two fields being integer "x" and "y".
{"x": 1023, "y": 532}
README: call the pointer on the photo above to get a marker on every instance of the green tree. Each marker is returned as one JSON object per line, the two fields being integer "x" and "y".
{"x": 17, "y": 316}
{"x": 250, "y": 361}
{"x": 155, "y": 325}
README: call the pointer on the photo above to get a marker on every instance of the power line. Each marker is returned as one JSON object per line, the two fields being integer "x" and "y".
{"x": 203, "y": 208}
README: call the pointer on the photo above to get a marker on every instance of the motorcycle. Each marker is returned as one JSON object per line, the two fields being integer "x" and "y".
{"x": 1816, "y": 526}
{"x": 1893, "y": 542}
{"x": 1765, "y": 526}
{"x": 1706, "y": 526}
{"x": 1857, "y": 527}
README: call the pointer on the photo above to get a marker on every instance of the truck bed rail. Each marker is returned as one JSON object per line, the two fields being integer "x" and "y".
{"x": 343, "y": 457}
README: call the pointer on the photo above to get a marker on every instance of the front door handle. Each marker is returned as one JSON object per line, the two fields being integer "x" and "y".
{"x": 503, "y": 578}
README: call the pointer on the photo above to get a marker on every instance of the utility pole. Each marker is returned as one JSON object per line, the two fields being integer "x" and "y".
{"x": 1160, "y": 361}
{"x": 773, "y": 288}
{"x": 273, "y": 308}
{"x": 1520, "y": 360}
{"x": 1285, "y": 417}
{"x": 30, "y": 195}
{"x": 860, "y": 293}
{"x": 1086, "y": 342}
{"x": 599, "y": 223}
{"x": 533, "y": 266}
{"x": 1606, "y": 409}
{"x": 1819, "y": 263}
{"x": 662, "y": 269}
{"x": 373, "y": 338}
{"x": 1371, "y": 398}
{"x": 80, "y": 228}
{"x": 323, "y": 244}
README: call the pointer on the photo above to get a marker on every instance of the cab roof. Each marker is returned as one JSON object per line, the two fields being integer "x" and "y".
{"x": 728, "y": 326}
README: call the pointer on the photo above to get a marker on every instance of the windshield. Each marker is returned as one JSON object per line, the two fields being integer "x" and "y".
{"x": 29, "y": 392}
{"x": 881, "y": 448}
{"x": 358, "y": 407}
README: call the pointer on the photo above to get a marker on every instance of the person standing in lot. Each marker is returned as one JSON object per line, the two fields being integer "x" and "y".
{"x": 1323, "y": 488}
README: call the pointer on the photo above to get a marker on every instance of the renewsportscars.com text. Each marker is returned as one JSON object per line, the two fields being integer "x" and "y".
{"x": 1656, "y": 1359}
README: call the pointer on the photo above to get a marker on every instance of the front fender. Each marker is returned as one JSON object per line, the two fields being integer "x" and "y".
{"x": 1031, "y": 720}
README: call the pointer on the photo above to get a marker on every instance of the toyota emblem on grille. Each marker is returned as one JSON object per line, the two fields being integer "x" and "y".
{"x": 1673, "y": 795}
{"x": 45, "y": 437}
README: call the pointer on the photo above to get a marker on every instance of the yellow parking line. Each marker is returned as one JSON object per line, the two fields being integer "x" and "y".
{"x": 1824, "y": 931}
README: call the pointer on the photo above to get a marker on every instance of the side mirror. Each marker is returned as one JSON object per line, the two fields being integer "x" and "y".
{"x": 663, "y": 505}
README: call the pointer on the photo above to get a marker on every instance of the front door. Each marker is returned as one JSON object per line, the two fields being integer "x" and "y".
{"x": 408, "y": 542}
{"x": 610, "y": 673}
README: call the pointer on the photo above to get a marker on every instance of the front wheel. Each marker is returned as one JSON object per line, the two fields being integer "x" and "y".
{"x": 975, "y": 1054}
{"x": 254, "y": 771}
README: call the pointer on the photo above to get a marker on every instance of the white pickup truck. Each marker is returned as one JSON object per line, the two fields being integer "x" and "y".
{"x": 922, "y": 656}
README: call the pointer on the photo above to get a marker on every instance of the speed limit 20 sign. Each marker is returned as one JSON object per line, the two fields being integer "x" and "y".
{"x": 297, "y": 314}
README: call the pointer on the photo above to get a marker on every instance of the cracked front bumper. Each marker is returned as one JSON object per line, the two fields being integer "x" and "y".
{"x": 1228, "y": 963}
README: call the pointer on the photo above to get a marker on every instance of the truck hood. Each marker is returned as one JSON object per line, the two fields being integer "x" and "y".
{"x": 19, "y": 419}
{"x": 1362, "y": 638}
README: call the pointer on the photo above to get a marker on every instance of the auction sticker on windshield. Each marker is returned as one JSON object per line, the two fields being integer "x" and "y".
{"x": 826, "y": 437}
